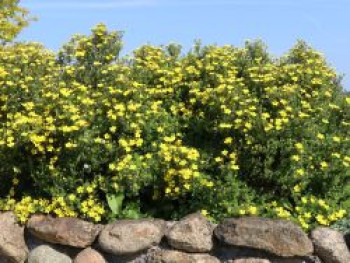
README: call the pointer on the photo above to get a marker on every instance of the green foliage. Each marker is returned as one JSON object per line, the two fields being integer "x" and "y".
{"x": 13, "y": 19}
{"x": 115, "y": 203}
{"x": 342, "y": 225}
{"x": 225, "y": 130}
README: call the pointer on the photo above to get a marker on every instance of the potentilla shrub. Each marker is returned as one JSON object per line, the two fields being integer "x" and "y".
{"x": 225, "y": 130}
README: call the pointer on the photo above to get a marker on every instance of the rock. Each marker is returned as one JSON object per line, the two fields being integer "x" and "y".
{"x": 204, "y": 258}
{"x": 174, "y": 256}
{"x": 273, "y": 260}
{"x": 141, "y": 257}
{"x": 65, "y": 231}
{"x": 169, "y": 225}
{"x": 192, "y": 234}
{"x": 330, "y": 245}
{"x": 46, "y": 254}
{"x": 227, "y": 253}
{"x": 89, "y": 255}
{"x": 230, "y": 253}
{"x": 131, "y": 236}
{"x": 12, "y": 244}
{"x": 169, "y": 256}
{"x": 250, "y": 260}
{"x": 280, "y": 237}
{"x": 309, "y": 259}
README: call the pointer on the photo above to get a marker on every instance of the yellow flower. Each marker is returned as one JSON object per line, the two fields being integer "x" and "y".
{"x": 304, "y": 200}
{"x": 80, "y": 54}
{"x": 204, "y": 212}
{"x": 320, "y": 136}
{"x": 241, "y": 212}
{"x": 70, "y": 145}
{"x": 341, "y": 213}
{"x": 112, "y": 166}
{"x": 224, "y": 152}
{"x": 304, "y": 225}
{"x": 295, "y": 158}
{"x": 248, "y": 125}
{"x": 322, "y": 220}
{"x": 80, "y": 190}
{"x": 336, "y": 139}
{"x": 169, "y": 138}
{"x": 336, "y": 155}
{"x": 72, "y": 197}
{"x": 253, "y": 210}
{"x": 299, "y": 146}
{"x": 321, "y": 202}
{"x": 228, "y": 140}
{"x": 218, "y": 159}
{"x": 113, "y": 129}
{"x": 324, "y": 165}
{"x": 300, "y": 172}
{"x": 234, "y": 167}
{"x": 210, "y": 184}
{"x": 297, "y": 188}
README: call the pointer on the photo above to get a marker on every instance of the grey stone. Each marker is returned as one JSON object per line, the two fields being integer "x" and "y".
{"x": 204, "y": 258}
{"x": 12, "y": 244}
{"x": 174, "y": 256}
{"x": 65, "y": 231}
{"x": 169, "y": 225}
{"x": 131, "y": 236}
{"x": 169, "y": 256}
{"x": 279, "y": 237}
{"x": 89, "y": 255}
{"x": 192, "y": 234}
{"x": 330, "y": 245}
{"x": 250, "y": 260}
{"x": 141, "y": 257}
{"x": 46, "y": 254}
{"x": 309, "y": 259}
{"x": 226, "y": 253}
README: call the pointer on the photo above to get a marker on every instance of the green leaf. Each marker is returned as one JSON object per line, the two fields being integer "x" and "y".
{"x": 115, "y": 202}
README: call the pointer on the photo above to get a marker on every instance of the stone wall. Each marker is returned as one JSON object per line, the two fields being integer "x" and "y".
{"x": 191, "y": 240}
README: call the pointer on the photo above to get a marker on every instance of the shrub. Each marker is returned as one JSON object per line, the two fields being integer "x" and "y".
{"x": 342, "y": 225}
{"x": 226, "y": 130}
{"x": 13, "y": 19}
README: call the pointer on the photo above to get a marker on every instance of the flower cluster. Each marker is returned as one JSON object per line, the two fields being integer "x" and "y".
{"x": 225, "y": 130}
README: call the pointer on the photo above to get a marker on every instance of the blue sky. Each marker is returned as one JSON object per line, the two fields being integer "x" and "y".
{"x": 279, "y": 23}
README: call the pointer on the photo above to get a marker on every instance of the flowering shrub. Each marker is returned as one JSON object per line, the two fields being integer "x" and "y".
{"x": 13, "y": 19}
{"x": 225, "y": 130}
